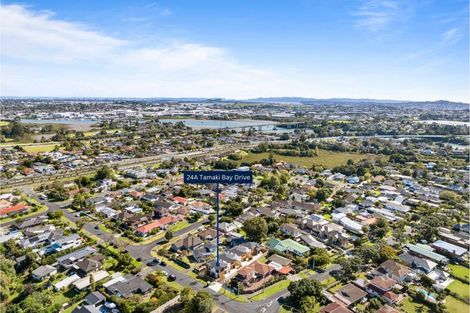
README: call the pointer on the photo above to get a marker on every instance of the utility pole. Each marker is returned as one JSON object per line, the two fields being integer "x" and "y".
{"x": 217, "y": 262}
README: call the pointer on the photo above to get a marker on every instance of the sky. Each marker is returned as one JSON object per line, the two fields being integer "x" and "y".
{"x": 238, "y": 49}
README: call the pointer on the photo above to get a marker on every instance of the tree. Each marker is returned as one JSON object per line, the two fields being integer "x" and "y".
{"x": 168, "y": 235}
{"x": 380, "y": 228}
{"x": 323, "y": 194}
{"x": 256, "y": 228}
{"x": 349, "y": 266}
{"x": 200, "y": 303}
{"x": 103, "y": 173}
{"x": 309, "y": 305}
{"x": 305, "y": 288}
{"x": 321, "y": 257}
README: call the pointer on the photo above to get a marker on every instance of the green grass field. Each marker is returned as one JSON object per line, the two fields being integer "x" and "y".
{"x": 179, "y": 226}
{"x": 409, "y": 306}
{"x": 454, "y": 305}
{"x": 4, "y": 123}
{"x": 460, "y": 271}
{"x": 39, "y": 148}
{"x": 459, "y": 288}
{"x": 324, "y": 158}
{"x": 271, "y": 290}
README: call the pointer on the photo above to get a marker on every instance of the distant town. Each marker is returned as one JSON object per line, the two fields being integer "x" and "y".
{"x": 355, "y": 206}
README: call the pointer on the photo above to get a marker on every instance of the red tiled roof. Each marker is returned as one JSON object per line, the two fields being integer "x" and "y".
{"x": 390, "y": 295}
{"x": 12, "y": 209}
{"x": 180, "y": 199}
{"x": 158, "y": 223}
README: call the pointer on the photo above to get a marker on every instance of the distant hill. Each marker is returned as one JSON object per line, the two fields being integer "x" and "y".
{"x": 349, "y": 101}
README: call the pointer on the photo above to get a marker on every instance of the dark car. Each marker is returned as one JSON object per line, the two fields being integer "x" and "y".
{"x": 171, "y": 277}
{"x": 153, "y": 262}
{"x": 139, "y": 259}
{"x": 163, "y": 263}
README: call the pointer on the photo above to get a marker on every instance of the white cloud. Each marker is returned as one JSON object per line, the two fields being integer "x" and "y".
{"x": 43, "y": 55}
{"x": 452, "y": 35}
{"x": 375, "y": 15}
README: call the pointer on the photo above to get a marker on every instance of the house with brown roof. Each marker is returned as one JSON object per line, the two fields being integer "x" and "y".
{"x": 254, "y": 273}
{"x": 381, "y": 286}
{"x": 187, "y": 243}
{"x": 394, "y": 270}
{"x": 335, "y": 307}
{"x": 207, "y": 234}
{"x": 350, "y": 294}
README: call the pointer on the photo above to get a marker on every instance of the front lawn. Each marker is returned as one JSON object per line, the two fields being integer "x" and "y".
{"x": 272, "y": 290}
{"x": 459, "y": 288}
{"x": 179, "y": 226}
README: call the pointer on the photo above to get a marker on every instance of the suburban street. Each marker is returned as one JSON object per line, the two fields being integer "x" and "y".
{"x": 143, "y": 252}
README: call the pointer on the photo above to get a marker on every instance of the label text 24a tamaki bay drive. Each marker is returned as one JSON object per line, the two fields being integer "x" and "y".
{"x": 222, "y": 177}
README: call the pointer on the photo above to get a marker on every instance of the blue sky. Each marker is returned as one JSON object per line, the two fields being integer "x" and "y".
{"x": 387, "y": 49}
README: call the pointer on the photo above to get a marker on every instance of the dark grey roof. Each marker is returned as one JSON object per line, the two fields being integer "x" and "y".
{"x": 44, "y": 270}
{"x": 94, "y": 298}
{"x": 76, "y": 255}
{"x": 133, "y": 285}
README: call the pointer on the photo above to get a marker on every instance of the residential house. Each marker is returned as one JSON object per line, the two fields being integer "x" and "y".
{"x": 418, "y": 264}
{"x": 394, "y": 270}
{"x": 187, "y": 243}
{"x": 201, "y": 207}
{"x": 86, "y": 281}
{"x": 311, "y": 241}
{"x": 125, "y": 288}
{"x": 254, "y": 273}
{"x": 44, "y": 271}
{"x": 207, "y": 234}
{"x": 161, "y": 223}
{"x": 217, "y": 272}
{"x": 290, "y": 230}
{"x": 95, "y": 298}
{"x": 205, "y": 251}
{"x": 66, "y": 282}
{"x": 162, "y": 208}
{"x": 449, "y": 249}
{"x": 381, "y": 286}
{"x": 14, "y": 209}
{"x": 287, "y": 245}
{"x": 333, "y": 234}
{"x": 69, "y": 259}
{"x": 280, "y": 264}
{"x": 335, "y": 307}
{"x": 350, "y": 294}
{"x": 86, "y": 266}
{"x": 426, "y": 252}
